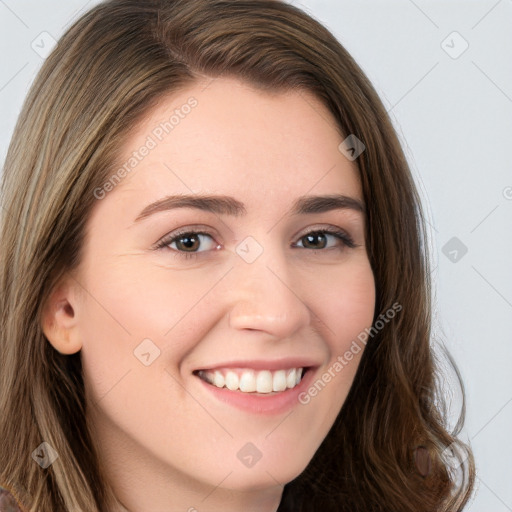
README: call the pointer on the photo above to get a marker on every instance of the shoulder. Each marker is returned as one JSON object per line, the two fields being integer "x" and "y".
{"x": 7, "y": 501}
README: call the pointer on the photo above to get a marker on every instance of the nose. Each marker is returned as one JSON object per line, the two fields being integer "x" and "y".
{"x": 266, "y": 296}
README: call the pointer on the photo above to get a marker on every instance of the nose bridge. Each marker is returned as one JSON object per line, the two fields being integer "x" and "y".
{"x": 263, "y": 295}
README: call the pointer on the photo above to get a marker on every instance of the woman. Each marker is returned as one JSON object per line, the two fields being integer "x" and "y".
{"x": 214, "y": 292}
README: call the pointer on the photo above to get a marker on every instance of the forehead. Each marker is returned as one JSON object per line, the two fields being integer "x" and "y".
{"x": 224, "y": 136}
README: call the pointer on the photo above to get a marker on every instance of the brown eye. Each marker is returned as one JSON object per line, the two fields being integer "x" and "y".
{"x": 188, "y": 242}
{"x": 313, "y": 240}
{"x": 319, "y": 239}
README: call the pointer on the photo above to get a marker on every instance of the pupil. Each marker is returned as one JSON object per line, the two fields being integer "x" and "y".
{"x": 311, "y": 237}
{"x": 189, "y": 241}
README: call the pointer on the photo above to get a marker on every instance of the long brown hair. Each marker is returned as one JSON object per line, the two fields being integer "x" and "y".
{"x": 385, "y": 450}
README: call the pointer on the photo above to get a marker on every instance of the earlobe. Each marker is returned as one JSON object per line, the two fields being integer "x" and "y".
{"x": 59, "y": 320}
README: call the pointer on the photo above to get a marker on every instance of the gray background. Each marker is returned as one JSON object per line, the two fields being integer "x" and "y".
{"x": 452, "y": 107}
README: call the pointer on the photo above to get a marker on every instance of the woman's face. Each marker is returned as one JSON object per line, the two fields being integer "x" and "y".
{"x": 247, "y": 302}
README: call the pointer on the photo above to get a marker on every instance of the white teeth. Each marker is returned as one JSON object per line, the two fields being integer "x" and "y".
{"x": 264, "y": 382}
{"x": 232, "y": 381}
{"x": 291, "y": 378}
{"x": 247, "y": 382}
{"x": 250, "y": 381}
{"x": 218, "y": 379}
{"x": 279, "y": 381}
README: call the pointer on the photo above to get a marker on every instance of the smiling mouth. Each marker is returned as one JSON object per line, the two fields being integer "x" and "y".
{"x": 246, "y": 380}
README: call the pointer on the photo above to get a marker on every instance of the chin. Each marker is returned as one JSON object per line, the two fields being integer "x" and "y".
{"x": 263, "y": 476}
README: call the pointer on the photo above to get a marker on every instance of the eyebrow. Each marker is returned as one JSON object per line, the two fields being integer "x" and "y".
{"x": 226, "y": 205}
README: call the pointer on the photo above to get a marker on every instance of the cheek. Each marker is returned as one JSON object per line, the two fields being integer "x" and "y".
{"x": 141, "y": 301}
{"x": 142, "y": 297}
{"x": 131, "y": 311}
{"x": 346, "y": 312}
{"x": 346, "y": 304}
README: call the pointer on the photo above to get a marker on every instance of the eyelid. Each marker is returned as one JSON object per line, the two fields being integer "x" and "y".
{"x": 166, "y": 240}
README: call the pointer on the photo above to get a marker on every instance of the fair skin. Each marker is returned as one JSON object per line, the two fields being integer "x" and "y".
{"x": 168, "y": 441}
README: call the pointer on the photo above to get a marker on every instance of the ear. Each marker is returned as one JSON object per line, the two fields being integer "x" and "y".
{"x": 60, "y": 317}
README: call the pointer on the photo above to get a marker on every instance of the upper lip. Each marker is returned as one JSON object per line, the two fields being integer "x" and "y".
{"x": 263, "y": 364}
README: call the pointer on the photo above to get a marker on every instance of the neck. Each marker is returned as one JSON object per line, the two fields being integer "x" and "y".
{"x": 214, "y": 500}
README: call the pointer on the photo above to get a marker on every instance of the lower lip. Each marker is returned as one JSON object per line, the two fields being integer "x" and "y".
{"x": 261, "y": 403}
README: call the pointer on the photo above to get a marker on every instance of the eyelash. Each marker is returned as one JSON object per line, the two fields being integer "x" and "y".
{"x": 173, "y": 237}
